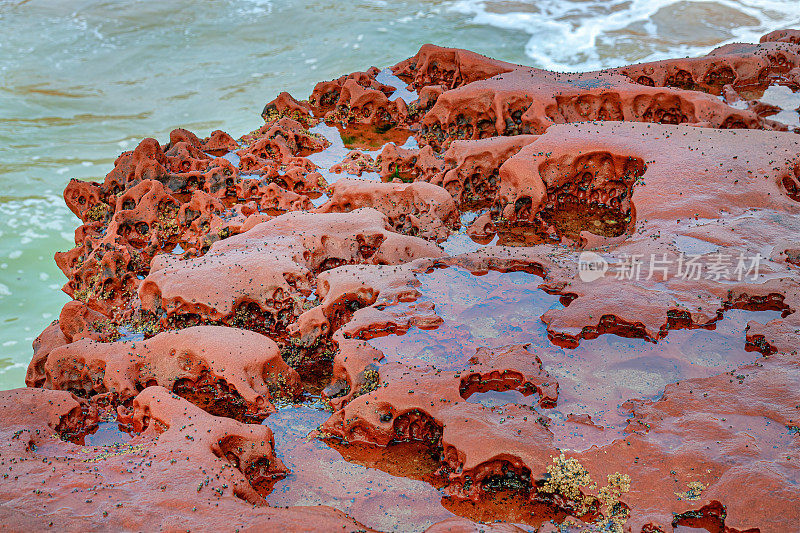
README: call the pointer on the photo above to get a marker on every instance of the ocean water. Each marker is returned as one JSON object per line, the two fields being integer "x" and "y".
{"x": 82, "y": 81}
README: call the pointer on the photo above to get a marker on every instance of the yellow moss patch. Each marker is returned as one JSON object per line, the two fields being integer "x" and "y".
{"x": 114, "y": 451}
{"x": 569, "y": 479}
{"x": 693, "y": 491}
{"x": 97, "y": 212}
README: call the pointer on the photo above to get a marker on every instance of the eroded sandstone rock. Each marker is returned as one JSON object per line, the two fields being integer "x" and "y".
{"x": 183, "y": 469}
{"x": 216, "y": 269}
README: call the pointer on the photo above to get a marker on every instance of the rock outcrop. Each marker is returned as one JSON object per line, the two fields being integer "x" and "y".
{"x": 484, "y": 321}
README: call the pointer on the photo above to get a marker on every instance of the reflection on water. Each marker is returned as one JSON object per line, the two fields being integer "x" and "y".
{"x": 458, "y": 242}
{"x": 108, "y": 433}
{"x": 595, "y": 379}
{"x": 321, "y": 476}
{"x": 333, "y": 155}
{"x": 396, "y": 487}
{"x": 367, "y": 139}
{"x": 387, "y": 77}
{"x": 566, "y": 222}
{"x": 694, "y": 246}
{"x": 129, "y": 334}
{"x": 392, "y": 488}
{"x": 492, "y": 398}
{"x": 787, "y": 101}
{"x": 372, "y": 138}
{"x": 494, "y": 309}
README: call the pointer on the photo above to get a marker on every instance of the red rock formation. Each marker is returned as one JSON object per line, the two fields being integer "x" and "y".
{"x": 527, "y": 101}
{"x": 471, "y": 168}
{"x": 183, "y": 469}
{"x": 670, "y": 448}
{"x": 434, "y": 65}
{"x": 51, "y": 338}
{"x": 202, "y": 266}
{"x": 418, "y": 208}
{"x": 358, "y": 98}
{"x": 239, "y": 371}
{"x": 416, "y": 164}
{"x": 352, "y": 300}
{"x": 286, "y": 106}
{"x": 355, "y": 163}
{"x": 429, "y": 405}
{"x": 327, "y": 93}
{"x": 786, "y": 36}
{"x": 297, "y": 138}
{"x": 738, "y": 64}
{"x": 608, "y": 161}
{"x": 263, "y": 274}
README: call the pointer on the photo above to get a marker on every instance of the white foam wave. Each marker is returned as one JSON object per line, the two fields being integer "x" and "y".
{"x": 570, "y": 35}
{"x": 253, "y": 7}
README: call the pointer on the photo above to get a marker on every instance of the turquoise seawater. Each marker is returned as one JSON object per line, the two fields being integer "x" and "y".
{"x": 82, "y": 81}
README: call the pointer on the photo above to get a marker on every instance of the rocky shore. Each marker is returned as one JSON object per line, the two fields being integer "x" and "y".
{"x": 430, "y": 318}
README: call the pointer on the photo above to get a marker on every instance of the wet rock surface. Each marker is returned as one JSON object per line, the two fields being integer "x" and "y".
{"x": 546, "y": 301}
